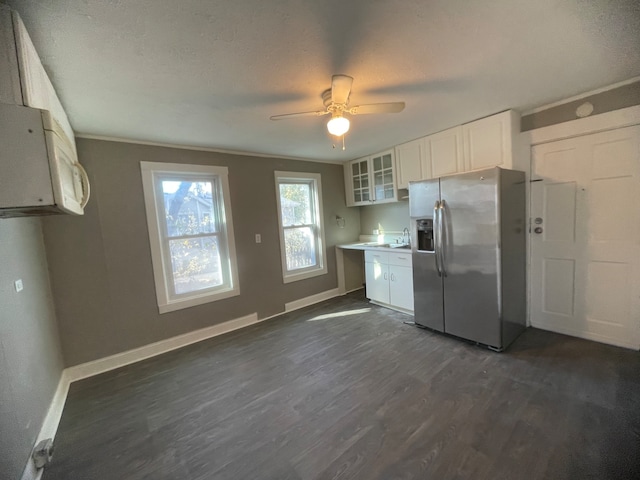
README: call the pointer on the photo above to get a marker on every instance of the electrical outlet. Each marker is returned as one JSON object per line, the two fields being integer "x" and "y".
{"x": 258, "y": 238}
{"x": 18, "y": 285}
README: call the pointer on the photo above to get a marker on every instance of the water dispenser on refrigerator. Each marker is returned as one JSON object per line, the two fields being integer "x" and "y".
{"x": 425, "y": 235}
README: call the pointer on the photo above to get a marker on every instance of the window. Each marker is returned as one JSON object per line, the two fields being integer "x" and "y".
{"x": 190, "y": 232}
{"x": 300, "y": 219}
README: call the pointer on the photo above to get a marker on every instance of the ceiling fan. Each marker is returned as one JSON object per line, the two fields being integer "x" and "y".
{"x": 336, "y": 102}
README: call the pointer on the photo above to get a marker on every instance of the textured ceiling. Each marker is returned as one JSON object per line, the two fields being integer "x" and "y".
{"x": 210, "y": 72}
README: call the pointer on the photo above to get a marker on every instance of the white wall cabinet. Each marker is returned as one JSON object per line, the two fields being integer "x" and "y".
{"x": 410, "y": 162}
{"x": 371, "y": 180}
{"x": 23, "y": 79}
{"x": 430, "y": 157}
{"x": 389, "y": 279}
{"x": 357, "y": 175}
{"x": 444, "y": 153}
{"x": 489, "y": 142}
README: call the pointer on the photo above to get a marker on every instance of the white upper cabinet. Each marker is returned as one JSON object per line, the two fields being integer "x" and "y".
{"x": 370, "y": 180}
{"x": 383, "y": 173}
{"x": 444, "y": 153}
{"x": 430, "y": 157}
{"x": 410, "y": 162}
{"x": 10, "y": 91}
{"x": 489, "y": 142}
{"x": 358, "y": 187}
{"x": 23, "y": 79}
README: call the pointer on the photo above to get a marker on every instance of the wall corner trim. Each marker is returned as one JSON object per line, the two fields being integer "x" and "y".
{"x": 312, "y": 299}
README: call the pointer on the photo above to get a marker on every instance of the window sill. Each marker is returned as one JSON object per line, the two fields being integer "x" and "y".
{"x": 294, "y": 277}
{"x": 199, "y": 300}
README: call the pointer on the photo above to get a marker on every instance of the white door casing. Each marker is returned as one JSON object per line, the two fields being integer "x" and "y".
{"x": 585, "y": 263}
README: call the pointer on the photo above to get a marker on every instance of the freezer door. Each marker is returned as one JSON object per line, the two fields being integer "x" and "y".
{"x": 427, "y": 282}
{"x": 427, "y": 292}
{"x": 471, "y": 256}
{"x": 422, "y": 196}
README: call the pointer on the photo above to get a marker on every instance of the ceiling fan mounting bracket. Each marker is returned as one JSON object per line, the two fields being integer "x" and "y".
{"x": 336, "y": 103}
{"x": 333, "y": 108}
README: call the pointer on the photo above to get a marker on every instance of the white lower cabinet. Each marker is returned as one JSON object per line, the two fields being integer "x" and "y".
{"x": 401, "y": 287}
{"x": 389, "y": 279}
{"x": 377, "y": 279}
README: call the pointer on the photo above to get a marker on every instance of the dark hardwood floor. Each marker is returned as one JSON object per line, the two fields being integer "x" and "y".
{"x": 346, "y": 390}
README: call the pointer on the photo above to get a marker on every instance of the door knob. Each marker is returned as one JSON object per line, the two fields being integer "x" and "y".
{"x": 538, "y": 230}
{"x": 538, "y": 221}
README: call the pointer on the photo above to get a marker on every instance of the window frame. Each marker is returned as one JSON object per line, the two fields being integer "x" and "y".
{"x": 152, "y": 174}
{"x": 315, "y": 182}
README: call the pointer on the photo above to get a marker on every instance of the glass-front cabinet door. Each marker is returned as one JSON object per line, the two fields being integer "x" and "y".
{"x": 360, "y": 183}
{"x": 382, "y": 172}
{"x": 370, "y": 180}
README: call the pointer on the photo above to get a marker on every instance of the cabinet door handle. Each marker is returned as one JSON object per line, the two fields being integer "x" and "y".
{"x": 393, "y": 278}
{"x": 386, "y": 277}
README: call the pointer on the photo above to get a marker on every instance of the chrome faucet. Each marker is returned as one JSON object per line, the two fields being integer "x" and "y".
{"x": 405, "y": 236}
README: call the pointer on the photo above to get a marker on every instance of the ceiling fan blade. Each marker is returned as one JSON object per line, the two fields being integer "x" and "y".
{"x": 341, "y": 88}
{"x": 299, "y": 114}
{"x": 393, "y": 107}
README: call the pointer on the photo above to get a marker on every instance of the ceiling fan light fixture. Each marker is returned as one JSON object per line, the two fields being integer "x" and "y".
{"x": 338, "y": 125}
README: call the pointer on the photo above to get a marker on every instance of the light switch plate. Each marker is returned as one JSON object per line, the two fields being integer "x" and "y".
{"x": 258, "y": 238}
{"x": 18, "y": 285}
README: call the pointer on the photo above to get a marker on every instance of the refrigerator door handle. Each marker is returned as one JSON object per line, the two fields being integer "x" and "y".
{"x": 441, "y": 247}
{"x": 436, "y": 241}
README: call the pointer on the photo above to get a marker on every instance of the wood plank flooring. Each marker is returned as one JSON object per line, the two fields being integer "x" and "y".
{"x": 346, "y": 390}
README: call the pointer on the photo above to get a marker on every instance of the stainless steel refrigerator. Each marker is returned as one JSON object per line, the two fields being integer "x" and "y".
{"x": 468, "y": 246}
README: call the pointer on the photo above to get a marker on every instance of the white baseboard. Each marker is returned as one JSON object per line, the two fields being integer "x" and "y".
{"x": 587, "y": 336}
{"x": 306, "y": 301}
{"x": 96, "y": 367}
{"x": 102, "y": 365}
{"x": 50, "y": 424}
{"x": 89, "y": 369}
{"x": 30, "y": 472}
{"x": 353, "y": 290}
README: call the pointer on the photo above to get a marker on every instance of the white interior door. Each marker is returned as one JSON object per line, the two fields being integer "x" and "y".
{"x": 585, "y": 254}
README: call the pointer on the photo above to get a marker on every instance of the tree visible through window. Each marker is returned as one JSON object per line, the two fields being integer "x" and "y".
{"x": 299, "y": 205}
{"x": 191, "y": 234}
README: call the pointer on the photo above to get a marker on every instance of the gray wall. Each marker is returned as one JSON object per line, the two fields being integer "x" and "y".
{"x": 30, "y": 355}
{"x": 100, "y": 263}
{"x": 391, "y": 217}
{"x": 614, "y": 99}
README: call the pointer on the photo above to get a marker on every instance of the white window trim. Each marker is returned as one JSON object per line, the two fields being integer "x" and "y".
{"x": 321, "y": 268}
{"x": 160, "y": 267}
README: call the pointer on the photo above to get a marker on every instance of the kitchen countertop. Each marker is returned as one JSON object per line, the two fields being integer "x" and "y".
{"x": 376, "y": 246}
